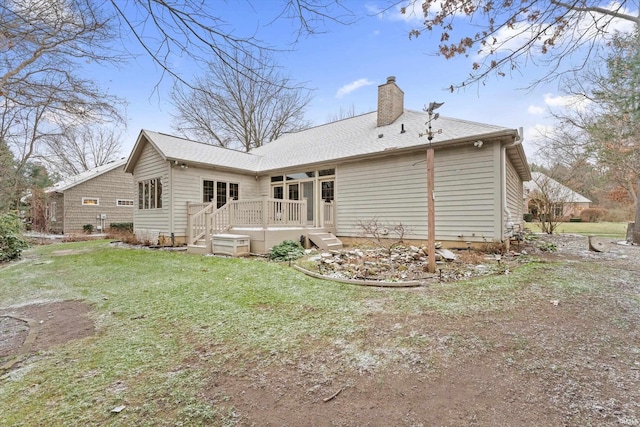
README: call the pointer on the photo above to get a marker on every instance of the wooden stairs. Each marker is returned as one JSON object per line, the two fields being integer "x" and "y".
{"x": 325, "y": 241}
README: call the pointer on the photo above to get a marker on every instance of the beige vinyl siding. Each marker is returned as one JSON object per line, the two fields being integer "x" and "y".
{"x": 187, "y": 186}
{"x": 393, "y": 190}
{"x": 152, "y": 165}
{"x": 514, "y": 196}
{"x": 467, "y": 191}
{"x": 390, "y": 189}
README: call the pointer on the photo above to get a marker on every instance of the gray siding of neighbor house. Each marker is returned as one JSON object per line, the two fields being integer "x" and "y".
{"x": 107, "y": 188}
{"x": 514, "y": 196}
{"x": 187, "y": 187}
{"x": 394, "y": 190}
{"x": 150, "y": 223}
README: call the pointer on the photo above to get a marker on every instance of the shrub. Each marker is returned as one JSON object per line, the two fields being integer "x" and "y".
{"x": 287, "y": 250}
{"x": 12, "y": 242}
{"x": 528, "y": 217}
{"x": 592, "y": 214}
{"x": 121, "y": 226}
{"x": 575, "y": 220}
{"x": 88, "y": 228}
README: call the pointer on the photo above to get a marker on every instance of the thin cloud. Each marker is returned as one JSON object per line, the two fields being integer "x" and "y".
{"x": 350, "y": 87}
{"x": 575, "y": 102}
{"x": 535, "y": 110}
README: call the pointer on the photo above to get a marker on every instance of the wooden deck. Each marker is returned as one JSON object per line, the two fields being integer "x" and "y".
{"x": 266, "y": 221}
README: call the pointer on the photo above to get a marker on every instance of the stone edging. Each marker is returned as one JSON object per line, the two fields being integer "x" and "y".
{"x": 26, "y": 346}
{"x": 358, "y": 282}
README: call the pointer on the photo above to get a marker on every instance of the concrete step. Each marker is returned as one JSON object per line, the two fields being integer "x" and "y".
{"x": 325, "y": 241}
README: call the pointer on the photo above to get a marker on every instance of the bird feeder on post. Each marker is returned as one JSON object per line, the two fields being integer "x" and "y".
{"x": 431, "y": 212}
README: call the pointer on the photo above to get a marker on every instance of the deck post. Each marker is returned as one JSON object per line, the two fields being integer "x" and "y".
{"x": 265, "y": 212}
{"x": 189, "y": 225}
{"x": 207, "y": 231}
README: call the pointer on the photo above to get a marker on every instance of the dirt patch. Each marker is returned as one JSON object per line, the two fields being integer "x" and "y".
{"x": 54, "y": 323}
{"x": 546, "y": 362}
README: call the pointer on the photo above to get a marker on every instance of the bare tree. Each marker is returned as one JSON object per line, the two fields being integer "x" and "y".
{"x": 549, "y": 199}
{"x": 506, "y": 36}
{"x": 230, "y": 109}
{"x": 81, "y": 148}
{"x": 170, "y": 31}
{"x": 604, "y": 128}
{"x": 342, "y": 114}
{"x": 43, "y": 43}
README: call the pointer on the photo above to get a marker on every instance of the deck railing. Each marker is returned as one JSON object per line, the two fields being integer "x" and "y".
{"x": 328, "y": 215}
{"x": 203, "y": 219}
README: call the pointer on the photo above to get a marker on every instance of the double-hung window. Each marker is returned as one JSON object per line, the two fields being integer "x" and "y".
{"x": 150, "y": 194}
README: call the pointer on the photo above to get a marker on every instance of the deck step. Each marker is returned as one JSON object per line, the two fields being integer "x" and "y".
{"x": 197, "y": 249}
{"x": 325, "y": 241}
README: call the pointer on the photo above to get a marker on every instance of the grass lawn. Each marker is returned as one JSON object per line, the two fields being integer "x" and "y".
{"x": 617, "y": 230}
{"x": 171, "y": 327}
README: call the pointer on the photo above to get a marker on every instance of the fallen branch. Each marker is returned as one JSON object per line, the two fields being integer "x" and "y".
{"x": 326, "y": 399}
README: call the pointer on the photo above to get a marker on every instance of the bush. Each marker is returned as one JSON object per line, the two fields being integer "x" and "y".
{"x": 528, "y": 217}
{"x": 88, "y": 228}
{"x": 592, "y": 214}
{"x": 287, "y": 250}
{"x": 575, "y": 220}
{"x": 122, "y": 226}
{"x": 12, "y": 242}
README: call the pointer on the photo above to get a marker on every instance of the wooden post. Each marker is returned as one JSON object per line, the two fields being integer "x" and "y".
{"x": 431, "y": 213}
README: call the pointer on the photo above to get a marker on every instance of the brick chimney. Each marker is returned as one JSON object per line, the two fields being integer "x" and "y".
{"x": 390, "y": 102}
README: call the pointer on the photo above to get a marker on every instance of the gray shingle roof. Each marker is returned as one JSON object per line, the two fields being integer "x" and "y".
{"x": 556, "y": 191}
{"x": 185, "y": 150}
{"x": 72, "y": 181}
{"x": 353, "y": 137}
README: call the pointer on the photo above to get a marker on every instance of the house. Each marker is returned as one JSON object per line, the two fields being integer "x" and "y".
{"x": 99, "y": 197}
{"x": 325, "y": 183}
{"x": 566, "y": 202}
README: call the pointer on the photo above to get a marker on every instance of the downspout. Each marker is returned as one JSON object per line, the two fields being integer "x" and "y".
{"x": 505, "y": 206}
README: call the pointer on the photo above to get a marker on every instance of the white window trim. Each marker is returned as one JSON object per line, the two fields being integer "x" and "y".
{"x": 128, "y": 205}
{"x": 97, "y": 199}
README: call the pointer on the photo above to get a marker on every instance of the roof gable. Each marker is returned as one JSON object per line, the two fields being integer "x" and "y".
{"x": 173, "y": 148}
{"x": 85, "y": 176}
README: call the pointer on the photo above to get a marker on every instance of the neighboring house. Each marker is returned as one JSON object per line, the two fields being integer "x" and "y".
{"x": 333, "y": 178}
{"x": 99, "y": 197}
{"x": 566, "y": 202}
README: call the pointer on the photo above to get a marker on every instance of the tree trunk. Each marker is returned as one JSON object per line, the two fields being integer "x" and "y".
{"x": 636, "y": 231}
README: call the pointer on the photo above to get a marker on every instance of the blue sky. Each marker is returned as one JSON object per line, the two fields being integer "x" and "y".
{"x": 344, "y": 65}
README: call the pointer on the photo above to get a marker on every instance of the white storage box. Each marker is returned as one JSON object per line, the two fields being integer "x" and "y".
{"x": 230, "y": 244}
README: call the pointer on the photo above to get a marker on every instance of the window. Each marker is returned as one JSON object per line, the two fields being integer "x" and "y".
{"x": 221, "y": 194}
{"x": 124, "y": 202}
{"x": 150, "y": 194}
{"x": 558, "y": 210}
{"x": 300, "y": 175}
{"x": 326, "y": 172}
{"x": 278, "y": 192}
{"x": 327, "y": 191}
{"x": 207, "y": 191}
{"x": 234, "y": 191}
{"x": 294, "y": 192}
{"x": 90, "y": 201}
